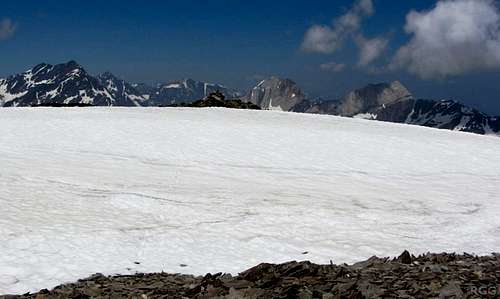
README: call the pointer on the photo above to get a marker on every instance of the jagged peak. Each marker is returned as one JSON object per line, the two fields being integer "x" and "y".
{"x": 275, "y": 80}
{"x": 72, "y": 64}
{"x": 397, "y": 83}
{"x": 107, "y": 75}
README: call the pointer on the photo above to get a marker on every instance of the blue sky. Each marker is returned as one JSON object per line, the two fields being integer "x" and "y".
{"x": 235, "y": 43}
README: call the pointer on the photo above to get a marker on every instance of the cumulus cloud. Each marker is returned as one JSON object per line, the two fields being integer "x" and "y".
{"x": 327, "y": 39}
{"x": 7, "y": 29}
{"x": 453, "y": 38}
{"x": 370, "y": 49}
{"x": 333, "y": 67}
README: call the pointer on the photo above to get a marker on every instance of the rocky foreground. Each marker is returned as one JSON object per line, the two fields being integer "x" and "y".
{"x": 426, "y": 276}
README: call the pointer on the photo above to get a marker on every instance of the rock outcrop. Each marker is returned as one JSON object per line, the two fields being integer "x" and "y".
{"x": 275, "y": 94}
{"x": 217, "y": 99}
{"x": 426, "y": 276}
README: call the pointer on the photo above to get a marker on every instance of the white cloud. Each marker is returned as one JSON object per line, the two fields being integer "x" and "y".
{"x": 366, "y": 7}
{"x": 321, "y": 39}
{"x": 328, "y": 39}
{"x": 370, "y": 49}
{"x": 7, "y": 29}
{"x": 333, "y": 67}
{"x": 453, "y": 38}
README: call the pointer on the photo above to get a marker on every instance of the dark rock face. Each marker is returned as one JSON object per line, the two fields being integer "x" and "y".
{"x": 448, "y": 115}
{"x": 144, "y": 90}
{"x": 494, "y": 122}
{"x": 405, "y": 258}
{"x": 371, "y": 97}
{"x": 361, "y": 101}
{"x": 217, "y": 99}
{"x": 275, "y": 94}
{"x": 426, "y": 276}
{"x": 318, "y": 107}
{"x": 397, "y": 111}
{"x": 124, "y": 94}
{"x": 64, "y": 84}
{"x": 186, "y": 91}
{"x": 394, "y": 103}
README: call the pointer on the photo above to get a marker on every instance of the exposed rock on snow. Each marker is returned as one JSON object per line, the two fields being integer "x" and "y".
{"x": 217, "y": 99}
{"x": 186, "y": 91}
{"x": 425, "y": 276}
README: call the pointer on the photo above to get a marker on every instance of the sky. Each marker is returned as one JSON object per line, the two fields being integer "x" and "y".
{"x": 448, "y": 49}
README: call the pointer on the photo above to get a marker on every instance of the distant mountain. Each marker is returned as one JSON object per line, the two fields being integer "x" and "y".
{"x": 123, "y": 93}
{"x": 444, "y": 114}
{"x": 391, "y": 102}
{"x": 144, "y": 90}
{"x": 369, "y": 98}
{"x": 186, "y": 91}
{"x": 275, "y": 94}
{"x": 361, "y": 101}
{"x": 68, "y": 84}
{"x": 62, "y": 83}
{"x": 65, "y": 84}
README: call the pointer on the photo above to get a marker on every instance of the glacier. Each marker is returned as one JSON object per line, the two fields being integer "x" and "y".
{"x": 183, "y": 190}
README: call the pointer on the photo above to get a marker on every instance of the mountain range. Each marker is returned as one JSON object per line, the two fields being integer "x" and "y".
{"x": 69, "y": 84}
{"x": 390, "y": 102}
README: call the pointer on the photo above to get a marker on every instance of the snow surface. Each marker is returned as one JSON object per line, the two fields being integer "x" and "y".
{"x": 98, "y": 189}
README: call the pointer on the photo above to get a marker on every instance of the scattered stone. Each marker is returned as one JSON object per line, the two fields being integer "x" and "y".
{"x": 217, "y": 99}
{"x": 426, "y": 276}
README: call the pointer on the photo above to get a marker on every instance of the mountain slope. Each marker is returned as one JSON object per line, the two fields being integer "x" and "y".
{"x": 275, "y": 94}
{"x": 365, "y": 100}
{"x": 69, "y": 83}
{"x": 185, "y": 91}
{"x": 390, "y": 102}
{"x": 65, "y": 83}
{"x": 371, "y": 97}
{"x": 123, "y": 93}
{"x": 444, "y": 114}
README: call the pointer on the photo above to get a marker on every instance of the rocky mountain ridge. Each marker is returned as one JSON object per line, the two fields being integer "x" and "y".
{"x": 68, "y": 84}
{"x": 391, "y": 102}
{"x": 185, "y": 91}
